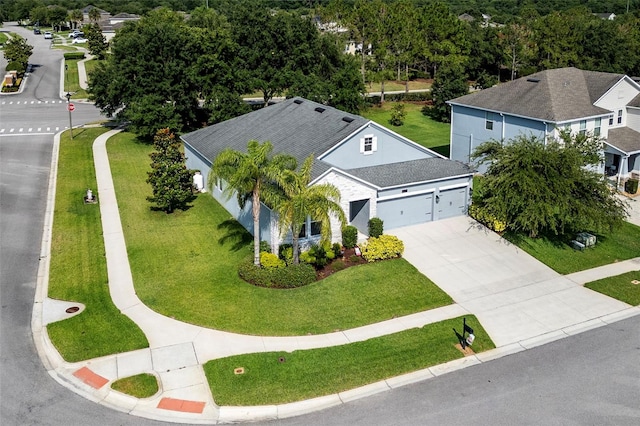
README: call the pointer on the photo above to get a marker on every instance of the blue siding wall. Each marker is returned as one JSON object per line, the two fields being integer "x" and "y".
{"x": 469, "y": 130}
{"x": 634, "y": 162}
{"x": 390, "y": 149}
{"x": 244, "y": 216}
{"x": 424, "y": 186}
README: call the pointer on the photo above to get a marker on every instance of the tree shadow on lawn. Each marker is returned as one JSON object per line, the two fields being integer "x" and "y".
{"x": 442, "y": 150}
{"x": 235, "y": 233}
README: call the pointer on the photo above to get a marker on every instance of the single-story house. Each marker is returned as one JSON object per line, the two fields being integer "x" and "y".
{"x": 542, "y": 104}
{"x": 379, "y": 173}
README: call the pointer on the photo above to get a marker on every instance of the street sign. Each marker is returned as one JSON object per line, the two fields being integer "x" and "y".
{"x": 71, "y": 107}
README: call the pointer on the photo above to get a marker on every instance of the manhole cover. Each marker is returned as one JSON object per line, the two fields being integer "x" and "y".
{"x": 72, "y": 310}
{"x": 239, "y": 370}
{"x": 636, "y": 282}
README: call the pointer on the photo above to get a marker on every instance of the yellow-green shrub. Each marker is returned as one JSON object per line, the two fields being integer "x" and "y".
{"x": 271, "y": 261}
{"x": 381, "y": 248}
{"x": 489, "y": 220}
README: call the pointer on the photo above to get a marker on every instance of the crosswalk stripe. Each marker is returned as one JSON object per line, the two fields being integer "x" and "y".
{"x": 20, "y": 131}
{"x": 11, "y": 131}
{"x": 39, "y": 128}
{"x": 29, "y": 129}
{"x": 48, "y": 129}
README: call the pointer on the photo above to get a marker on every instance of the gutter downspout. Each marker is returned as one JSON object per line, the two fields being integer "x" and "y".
{"x": 545, "y": 133}
{"x": 503, "y": 122}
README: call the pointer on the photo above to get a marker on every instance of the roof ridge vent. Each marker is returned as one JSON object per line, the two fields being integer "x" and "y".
{"x": 534, "y": 80}
{"x": 347, "y": 119}
{"x": 297, "y": 101}
{"x": 320, "y": 110}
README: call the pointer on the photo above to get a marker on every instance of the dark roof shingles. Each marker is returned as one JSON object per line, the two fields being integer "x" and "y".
{"x": 625, "y": 139}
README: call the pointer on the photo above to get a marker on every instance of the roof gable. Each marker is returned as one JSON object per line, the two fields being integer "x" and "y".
{"x": 553, "y": 95}
{"x": 296, "y": 126}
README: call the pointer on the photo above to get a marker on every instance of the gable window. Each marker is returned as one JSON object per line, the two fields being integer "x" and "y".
{"x": 619, "y": 116}
{"x": 488, "y": 120}
{"x": 596, "y": 129}
{"x": 368, "y": 144}
{"x": 583, "y": 127}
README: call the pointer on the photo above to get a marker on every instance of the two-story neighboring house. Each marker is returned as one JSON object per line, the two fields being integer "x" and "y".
{"x": 378, "y": 172}
{"x": 542, "y": 104}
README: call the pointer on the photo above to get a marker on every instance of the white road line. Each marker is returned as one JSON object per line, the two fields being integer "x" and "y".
{"x": 22, "y": 134}
{"x": 39, "y": 102}
{"x": 1, "y": 130}
{"x": 30, "y": 129}
{"x": 11, "y": 131}
{"x": 58, "y": 128}
{"x": 33, "y": 102}
{"x": 48, "y": 128}
{"x": 10, "y": 102}
{"x": 20, "y": 131}
{"x": 39, "y": 128}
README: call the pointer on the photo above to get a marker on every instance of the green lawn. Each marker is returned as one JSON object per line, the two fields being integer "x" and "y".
{"x": 417, "y": 127}
{"x": 313, "y": 373}
{"x": 141, "y": 386}
{"x": 184, "y": 266}
{"x": 394, "y": 86}
{"x": 3, "y": 39}
{"x": 622, "y": 244}
{"x": 72, "y": 80}
{"x": 620, "y": 287}
{"x": 78, "y": 269}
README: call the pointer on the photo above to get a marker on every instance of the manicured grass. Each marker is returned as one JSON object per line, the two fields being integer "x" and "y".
{"x": 72, "y": 80}
{"x": 619, "y": 287}
{"x": 3, "y": 39}
{"x": 78, "y": 268}
{"x": 417, "y": 127}
{"x": 622, "y": 244}
{"x": 90, "y": 65}
{"x": 184, "y": 266}
{"x": 140, "y": 386}
{"x": 313, "y": 373}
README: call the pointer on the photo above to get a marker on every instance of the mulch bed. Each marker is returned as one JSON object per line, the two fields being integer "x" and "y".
{"x": 348, "y": 260}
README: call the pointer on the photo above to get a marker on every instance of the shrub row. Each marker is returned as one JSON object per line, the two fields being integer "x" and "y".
{"x": 487, "y": 219}
{"x": 399, "y": 97}
{"x": 631, "y": 186}
{"x": 73, "y": 55}
{"x": 290, "y": 276}
{"x": 382, "y": 248}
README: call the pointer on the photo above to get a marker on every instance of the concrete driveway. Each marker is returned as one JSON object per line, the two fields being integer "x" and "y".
{"x": 515, "y": 297}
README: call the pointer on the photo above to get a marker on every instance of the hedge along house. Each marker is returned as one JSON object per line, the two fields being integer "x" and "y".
{"x": 542, "y": 104}
{"x": 378, "y": 172}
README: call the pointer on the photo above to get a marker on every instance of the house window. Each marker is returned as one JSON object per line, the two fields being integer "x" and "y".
{"x": 611, "y": 120}
{"x": 219, "y": 184}
{"x": 583, "y": 127}
{"x": 368, "y": 144}
{"x": 316, "y": 228}
{"x": 619, "y": 116}
{"x": 488, "y": 120}
{"x": 596, "y": 129}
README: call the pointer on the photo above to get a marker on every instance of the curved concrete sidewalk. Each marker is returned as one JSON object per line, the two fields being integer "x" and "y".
{"x": 507, "y": 289}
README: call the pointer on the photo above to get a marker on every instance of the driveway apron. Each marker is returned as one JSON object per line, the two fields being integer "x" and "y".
{"x": 513, "y": 295}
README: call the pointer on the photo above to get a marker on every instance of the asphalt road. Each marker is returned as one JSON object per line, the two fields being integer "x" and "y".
{"x": 589, "y": 379}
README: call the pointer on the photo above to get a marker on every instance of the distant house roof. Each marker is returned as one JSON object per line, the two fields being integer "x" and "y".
{"x": 301, "y": 128}
{"x": 624, "y": 139}
{"x": 88, "y": 8}
{"x": 556, "y": 95}
{"x": 466, "y": 17}
{"x": 609, "y": 16}
{"x": 125, "y": 16}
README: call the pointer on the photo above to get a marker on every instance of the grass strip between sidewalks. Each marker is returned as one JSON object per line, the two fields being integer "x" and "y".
{"x": 184, "y": 266}
{"x": 624, "y": 287}
{"x": 282, "y": 377}
{"x": 78, "y": 270}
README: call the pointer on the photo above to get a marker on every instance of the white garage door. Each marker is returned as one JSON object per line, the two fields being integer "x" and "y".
{"x": 452, "y": 202}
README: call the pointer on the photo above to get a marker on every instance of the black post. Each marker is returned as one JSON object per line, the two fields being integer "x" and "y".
{"x": 68, "y": 96}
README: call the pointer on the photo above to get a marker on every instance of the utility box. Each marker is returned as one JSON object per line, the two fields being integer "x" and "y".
{"x": 587, "y": 239}
{"x": 8, "y": 80}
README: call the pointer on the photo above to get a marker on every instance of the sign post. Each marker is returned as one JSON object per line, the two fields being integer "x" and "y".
{"x": 70, "y": 107}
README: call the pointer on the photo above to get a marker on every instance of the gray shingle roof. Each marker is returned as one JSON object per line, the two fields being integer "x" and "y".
{"x": 295, "y": 126}
{"x": 553, "y": 95}
{"x": 635, "y": 102}
{"x": 422, "y": 170}
{"x": 625, "y": 139}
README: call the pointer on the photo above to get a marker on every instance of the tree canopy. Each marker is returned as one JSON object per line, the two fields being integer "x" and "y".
{"x": 550, "y": 188}
{"x": 17, "y": 51}
{"x": 254, "y": 175}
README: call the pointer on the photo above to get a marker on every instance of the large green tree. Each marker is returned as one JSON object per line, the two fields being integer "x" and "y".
{"x": 96, "y": 41}
{"x": 169, "y": 177}
{"x": 18, "y": 51}
{"x": 319, "y": 202}
{"x": 450, "y": 83}
{"x": 253, "y": 175}
{"x": 549, "y": 188}
{"x": 162, "y": 84}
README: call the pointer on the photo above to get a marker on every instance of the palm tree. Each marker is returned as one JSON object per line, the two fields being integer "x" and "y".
{"x": 251, "y": 176}
{"x": 94, "y": 14}
{"x": 301, "y": 201}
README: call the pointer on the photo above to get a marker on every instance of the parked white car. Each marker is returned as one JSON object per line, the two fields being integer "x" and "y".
{"x": 76, "y": 34}
{"x": 79, "y": 40}
{"x": 48, "y": 35}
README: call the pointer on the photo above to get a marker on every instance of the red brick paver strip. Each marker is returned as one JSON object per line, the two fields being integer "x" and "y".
{"x": 89, "y": 377}
{"x": 181, "y": 405}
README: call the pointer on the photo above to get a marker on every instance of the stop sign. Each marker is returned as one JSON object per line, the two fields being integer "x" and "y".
{"x": 71, "y": 107}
